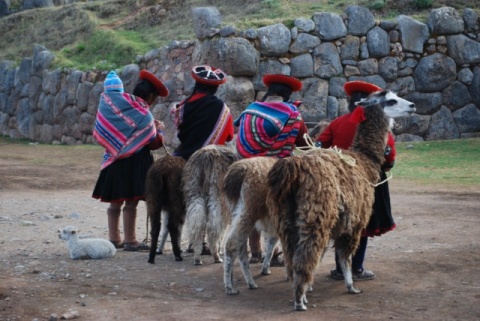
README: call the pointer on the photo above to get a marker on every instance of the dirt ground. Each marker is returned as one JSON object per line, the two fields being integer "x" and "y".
{"x": 426, "y": 268}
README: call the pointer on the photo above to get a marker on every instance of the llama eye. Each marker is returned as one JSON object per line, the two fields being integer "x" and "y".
{"x": 391, "y": 102}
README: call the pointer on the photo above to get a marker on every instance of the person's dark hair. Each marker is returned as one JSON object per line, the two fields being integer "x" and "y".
{"x": 278, "y": 90}
{"x": 356, "y": 96}
{"x": 144, "y": 89}
{"x": 203, "y": 88}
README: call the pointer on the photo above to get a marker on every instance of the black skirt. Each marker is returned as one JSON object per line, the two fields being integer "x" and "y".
{"x": 381, "y": 220}
{"x": 124, "y": 179}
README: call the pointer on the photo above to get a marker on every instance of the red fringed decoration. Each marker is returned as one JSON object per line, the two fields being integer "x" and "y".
{"x": 358, "y": 115}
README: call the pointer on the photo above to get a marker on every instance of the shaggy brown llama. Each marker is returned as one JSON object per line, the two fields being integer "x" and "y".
{"x": 202, "y": 177}
{"x": 245, "y": 190}
{"x": 163, "y": 193}
{"x": 321, "y": 195}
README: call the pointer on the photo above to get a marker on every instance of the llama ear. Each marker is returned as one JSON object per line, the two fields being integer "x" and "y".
{"x": 358, "y": 115}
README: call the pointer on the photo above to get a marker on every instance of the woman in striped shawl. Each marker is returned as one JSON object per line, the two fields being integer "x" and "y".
{"x": 126, "y": 128}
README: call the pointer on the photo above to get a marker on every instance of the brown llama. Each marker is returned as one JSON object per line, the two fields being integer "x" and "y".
{"x": 244, "y": 190}
{"x": 163, "y": 193}
{"x": 202, "y": 177}
{"x": 323, "y": 194}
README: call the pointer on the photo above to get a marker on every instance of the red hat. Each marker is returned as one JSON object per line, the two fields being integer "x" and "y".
{"x": 290, "y": 81}
{"x": 207, "y": 75}
{"x": 157, "y": 83}
{"x": 352, "y": 87}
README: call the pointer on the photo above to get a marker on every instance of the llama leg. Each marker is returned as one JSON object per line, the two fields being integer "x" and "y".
{"x": 163, "y": 233}
{"x": 301, "y": 276}
{"x": 197, "y": 221}
{"x": 245, "y": 265}
{"x": 345, "y": 262}
{"x": 270, "y": 247}
{"x": 231, "y": 252}
{"x": 154, "y": 213}
{"x": 300, "y": 298}
{"x": 215, "y": 227}
{"x": 175, "y": 233}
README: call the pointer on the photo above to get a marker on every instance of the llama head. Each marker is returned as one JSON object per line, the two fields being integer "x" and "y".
{"x": 392, "y": 105}
{"x": 67, "y": 232}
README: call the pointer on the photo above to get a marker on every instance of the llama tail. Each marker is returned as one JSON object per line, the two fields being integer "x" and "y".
{"x": 284, "y": 177}
{"x": 207, "y": 166}
{"x": 153, "y": 188}
{"x": 233, "y": 181}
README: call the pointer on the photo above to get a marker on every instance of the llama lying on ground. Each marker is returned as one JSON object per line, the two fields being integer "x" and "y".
{"x": 163, "y": 193}
{"x": 321, "y": 195}
{"x": 245, "y": 190}
{"x": 201, "y": 188}
{"x": 89, "y": 248}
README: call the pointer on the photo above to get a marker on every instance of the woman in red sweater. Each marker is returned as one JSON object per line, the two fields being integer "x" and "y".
{"x": 340, "y": 133}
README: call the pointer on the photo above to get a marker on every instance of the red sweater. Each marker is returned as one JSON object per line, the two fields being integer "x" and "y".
{"x": 341, "y": 132}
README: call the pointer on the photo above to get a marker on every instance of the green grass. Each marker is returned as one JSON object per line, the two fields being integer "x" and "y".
{"x": 449, "y": 162}
{"x": 110, "y": 34}
{"x": 104, "y": 50}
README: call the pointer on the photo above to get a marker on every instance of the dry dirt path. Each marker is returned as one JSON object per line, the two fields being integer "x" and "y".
{"x": 426, "y": 269}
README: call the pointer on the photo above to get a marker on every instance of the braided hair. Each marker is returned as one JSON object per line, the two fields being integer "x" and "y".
{"x": 144, "y": 89}
{"x": 277, "y": 89}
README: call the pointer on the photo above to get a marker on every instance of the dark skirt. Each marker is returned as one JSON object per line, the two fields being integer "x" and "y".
{"x": 124, "y": 179}
{"x": 382, "y": 220}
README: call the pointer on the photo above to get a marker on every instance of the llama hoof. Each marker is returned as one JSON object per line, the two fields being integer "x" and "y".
{"x": 218, "y": 260}
{"x": 197, "y": 262}
{"x": 253, "y": 286}
{"x": 178, "y": 258}
{"x": 310, "y": 288}
{"x": 231, "y": 291}
{"x": 159, "y": 252}
{"x": 300, "y": 306}
{"x": 151, "y": 261}
{"x": 353, "y": 290}
{"x": 266, "y": 272}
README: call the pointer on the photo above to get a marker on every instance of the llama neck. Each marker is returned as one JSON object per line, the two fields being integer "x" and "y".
{"x": 370, "y": 136}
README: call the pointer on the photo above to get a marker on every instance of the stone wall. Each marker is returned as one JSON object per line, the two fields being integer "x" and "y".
{"x": 436, "y": 65}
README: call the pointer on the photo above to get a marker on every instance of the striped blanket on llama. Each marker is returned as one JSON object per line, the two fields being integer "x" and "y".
{"x": 267, "y": 129}
{"x": 123, "y": 125}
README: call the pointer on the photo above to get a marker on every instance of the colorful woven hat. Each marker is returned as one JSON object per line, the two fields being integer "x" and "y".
{"x": 112, "y": 83}
{"x": 207, "y": 75}
{"x": 290, "y": 81}
{"x": 157, "y": 83}
{"x": 352, "y": 87}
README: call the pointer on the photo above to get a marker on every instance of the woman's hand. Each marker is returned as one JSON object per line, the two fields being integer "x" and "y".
{"x": 159, "y": 125}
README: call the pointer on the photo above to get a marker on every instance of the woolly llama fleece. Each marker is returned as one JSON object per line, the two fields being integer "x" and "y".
{"x": 245, "y": 190}
{"x": 89, "y": 248}
{"x": 323, "y": 194}
{"x": 202, "y": 176}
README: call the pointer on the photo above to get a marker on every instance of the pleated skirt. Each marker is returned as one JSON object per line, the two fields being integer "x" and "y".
{"x": 124, "y": 179}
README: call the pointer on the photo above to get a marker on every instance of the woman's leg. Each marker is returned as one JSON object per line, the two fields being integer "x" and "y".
{"x": 113, "y": 215}
{"x": 129, "y": 227}
{"x": 359, "y": 257}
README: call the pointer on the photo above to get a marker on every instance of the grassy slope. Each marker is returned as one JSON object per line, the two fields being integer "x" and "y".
{"x": 110, "y": 34}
